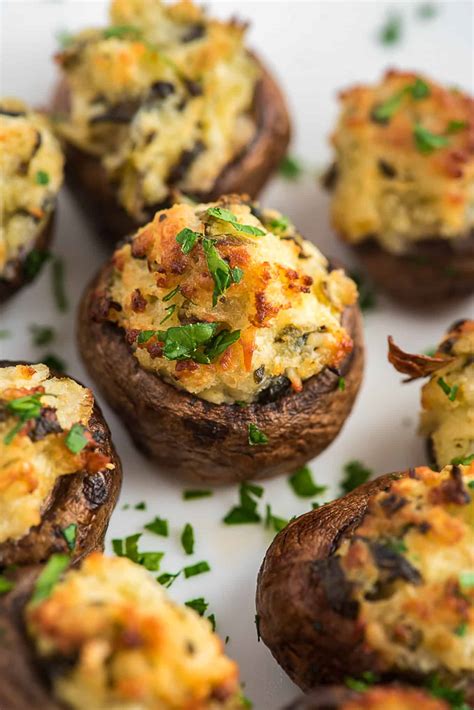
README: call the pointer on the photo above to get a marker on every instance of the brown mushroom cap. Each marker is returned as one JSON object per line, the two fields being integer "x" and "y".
{"x": 85, "y": 499}
{"x": 207, "y": 442}
{"x": 247, "y": 173}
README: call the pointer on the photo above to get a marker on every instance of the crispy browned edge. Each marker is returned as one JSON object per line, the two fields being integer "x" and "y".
{"x": 311, "y": 641}
{"x": 20, "y": 278}
{"x": 82, "y": 498}
{"x": 206, "y": 442}
{"x": 245, "y": 174}
{"x": 431, "y": 272}
{"x": 335, "y": 697}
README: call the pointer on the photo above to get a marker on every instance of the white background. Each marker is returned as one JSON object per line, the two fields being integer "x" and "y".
{"x": 315, "y": 48}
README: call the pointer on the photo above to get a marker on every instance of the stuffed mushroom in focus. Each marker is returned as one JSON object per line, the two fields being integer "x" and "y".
{"x": 31, "y": 168}
{"x": 225, "y": 341}
{"x": 380, "y": 581}
{"x": 59, "y": 473}
{"x": 165, "y": 99}
{"x": 107, "y": 637}
{"x": 447, "y": 398}
{"x": 384, "y": 697}
{"x": 403, "y": 185}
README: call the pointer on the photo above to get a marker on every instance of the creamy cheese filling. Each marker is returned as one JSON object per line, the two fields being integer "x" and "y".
{"x": 247, "y": 310}
{"x": 163, "y": 96}
{"x": 405, "y": 163}
{"x": 31, "y": 173}
{"x": 130, "y": 646}
{"x": 447, "y": 399}
{"x": 411, "y": 563}
{"x": 33, "y": 449}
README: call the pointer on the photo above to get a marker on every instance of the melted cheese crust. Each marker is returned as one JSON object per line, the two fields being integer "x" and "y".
{"x": 29, "y": 157}
{"x": 406, "y": 562}
{"x": 450, "y": 423}
{"x": 387, "y": 698}
{"x": 166, "y": 105}
{"x": 133, "y": 648}
{"x": 287, "y": 306}
{"x": 31, "y": 463}
{"x": 388, "y": 189}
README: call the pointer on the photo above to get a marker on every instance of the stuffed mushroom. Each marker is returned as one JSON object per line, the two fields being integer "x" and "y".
{"x": 165, "y": 100}
{"x": 105, "y": 636}
{"x": 225, "y": 341}
{"x": 403, "y": 185}
{"x": 31, "y": 167}
{"x": 447, "y": 398}
{"x": 59, "y": 473}
{"x": 381, "y": 697}
{"x": 380, "y": 582}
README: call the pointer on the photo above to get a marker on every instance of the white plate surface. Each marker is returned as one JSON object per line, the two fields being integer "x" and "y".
{"x": 315, "y": 48}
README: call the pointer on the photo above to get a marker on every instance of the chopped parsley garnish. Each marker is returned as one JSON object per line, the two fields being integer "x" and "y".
{"x": 212, "y": 620}
{"x": 392, "y": 30}
{"x": 69, "y": 534}
{"x": 187, "y": 539}
{"x": 122, "y": 32}
{"x": 158, "y": 526}
{"x": 246, "y": 511}
{"x": 129, "y": 548}
{"x": 223, "y": 275}
{"x": 361, "y": 684}
{"x": 355, "y": 473}
{"x": 273, "y": 522}
{"x": 5, "y": 585}
{"x": 466, "y": 580}
{"x": 195, "y": 493}
{"x": 291, "y": 168}
{"x": 245, "y": 702}
{"x": 42, "y": 178}
{"x": 196, "y": 341}
{"x": 426, "y": 11}
{"x": 280, "y": 224}
{"x": 4, "y": 334}
{"x": 341, "y": 384}
{"x": 471, "y": 485}
{"x": 58, "y": 285}
{"x": 167, "y": 578}
{"x": 169, "y": 312}
{"x": 187, "y": 238}
{"x": 256, "y": 436}
{"x": 456, "y": 126}
{"x": 430, "y": 352}
{"x": 54, "y": 362}
{"x": 367, "y": 297}
{"x": 64, "y": 38}
{"x": 382, "y": 113}
{"x": 25, "y": 408}
{"x": 42, "y": 334}
{"x": 140, "y": 506}
{"x": 463, "y": 461}
{"x": 426, "y": 141}
{"x": 49, "y": 577}
{"x": 303, "y": 485}
{"x": 228, "y": 216}
{"x": 34, "y": 261}
{"x": 198, "y": 568}
{"x": 76, "y": 438}
{"x": 455, "y": 698}
{"x": 199, "y": 605}
{"x": 461, "y": 630}
{"x": 450, "y": 392}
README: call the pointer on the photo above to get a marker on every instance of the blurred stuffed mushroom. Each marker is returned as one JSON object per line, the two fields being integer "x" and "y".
{"x": 225, "y": 341}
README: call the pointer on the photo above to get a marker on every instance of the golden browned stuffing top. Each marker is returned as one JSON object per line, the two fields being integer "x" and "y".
{"x": 31, "y": 173}
{"x": 43, "y": 435}
{"x": 163, "y": 96}
{"x": 129, "y": 646}
{"x": 387, "y": 698}
{"x": 224, "y": 300}
{"x": 410, "y": 565}
{"x": 404, "y": 162}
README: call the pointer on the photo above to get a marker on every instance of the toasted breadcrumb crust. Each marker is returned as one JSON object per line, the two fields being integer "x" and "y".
{"x": 31, "y": 173}
{"x": 387, "y": 698}
{"x": 410, "y": 565}
{"x": 448, "y": 418}
{"x": 390, "y": 187}
{"x": 36, "y": 456}
{"x": 163, "y": 97}
{"x": 128, "y": 646}
{"x": 285, "y": 308}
